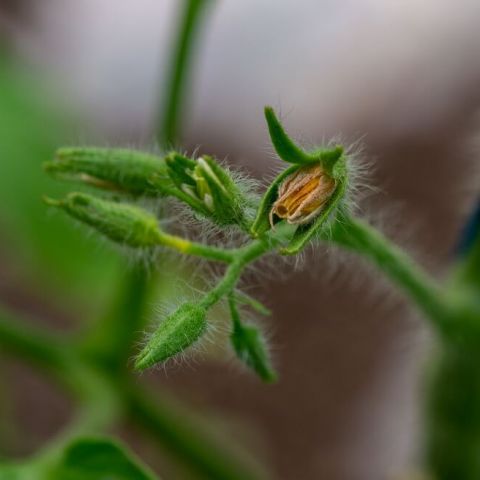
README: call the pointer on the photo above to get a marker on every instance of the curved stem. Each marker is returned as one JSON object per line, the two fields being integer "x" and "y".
{"x": 99, "y": 403}
{"x": 363, "y": 239}
{"x": 189, "y": 440}
{"x": 30, "y": 343}
{"x": 181, "y": 65}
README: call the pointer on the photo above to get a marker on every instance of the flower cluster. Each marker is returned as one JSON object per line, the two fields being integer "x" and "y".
{"x": 295, "y": 208}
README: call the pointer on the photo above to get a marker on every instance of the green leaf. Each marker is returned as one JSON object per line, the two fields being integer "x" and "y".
{"x": 86, "y": 458}
{"x": 14, "y": 472}
{"x": 40, "y": 245}
{"x": 98, "y": 459}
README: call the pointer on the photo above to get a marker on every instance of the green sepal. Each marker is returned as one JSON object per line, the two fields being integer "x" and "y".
{"x": 120, "y": 222}
{"x": 304, "y": 233}
{"x": 261, "y": 224}
{"x": 245, "y": 299}
{"x": 176, "y": 333}
{"x": 227, "y": 199}
{"x": 180, "y": 169}
{"x": 250, "y": 346}
{"x": 290, "y": 152}
{"x": 116, "y": 169}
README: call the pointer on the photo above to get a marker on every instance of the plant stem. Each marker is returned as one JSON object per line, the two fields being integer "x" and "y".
{"x": 29, "y": 343}
{"x": 188, "y": 247}
{"x": 110, "y": 341}
{"x": 57, "y": 357}
{"x": 99, "y": 405}
{"x": 453, "y": 415}
{"x": 363, "y": 239}
{"x": 190, "y": 441}
{"x": 241, "y": 258}
{"x": 180, "y": 68}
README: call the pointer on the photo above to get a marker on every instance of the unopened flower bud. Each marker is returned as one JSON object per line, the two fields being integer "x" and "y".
{"x": 303, "y": 194}
{"x": 207, "y": 188}
{"x": 306, "y": 193}
{"x": 120, "y": 222}
{"x": 176, "y": 333}
{"x": 115, "y": 169}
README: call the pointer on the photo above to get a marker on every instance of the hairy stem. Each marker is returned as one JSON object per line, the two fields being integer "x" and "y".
{"x": 241, "y": 258}
{"x": 364, "y": 240}
{"x": 196, "y": 249}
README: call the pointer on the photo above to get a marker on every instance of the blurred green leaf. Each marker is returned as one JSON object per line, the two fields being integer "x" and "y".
{"x": 99, "y": 459}
{"x": 82, "y": 459}
{"x": 46, "y": 248}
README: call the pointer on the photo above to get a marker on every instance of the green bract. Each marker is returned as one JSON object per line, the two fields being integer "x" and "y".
{"x": 250, "y": 346}
{"x": 206, "y": 187}
{"x": 288, "y": 151}
{"x": 121, "y": 222}
{"x": 333, "y": 164}
{"x": 115, "y": 169}
{"x": 176, "y": 333}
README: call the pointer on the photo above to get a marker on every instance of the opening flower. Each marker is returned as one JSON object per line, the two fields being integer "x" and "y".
{"x": 303, "y": 194}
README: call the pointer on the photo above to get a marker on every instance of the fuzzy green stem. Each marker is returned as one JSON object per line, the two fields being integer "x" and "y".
{"x": 180, "y": 69}
{"x": 364, "y": 240}
{"x": 188, "y": 247}
{"x": 241, "y": 258}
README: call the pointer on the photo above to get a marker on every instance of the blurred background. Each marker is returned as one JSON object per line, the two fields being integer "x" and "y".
{"x": 403, "y": 76}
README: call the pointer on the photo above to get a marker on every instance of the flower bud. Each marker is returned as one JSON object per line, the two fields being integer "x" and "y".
{"x": 115, "y": 169}
{"x": 207, "y": 188}
{"x": 303, "y": 194}
{"x": 120, "y": 222}
{"x": 176, "y": 333}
